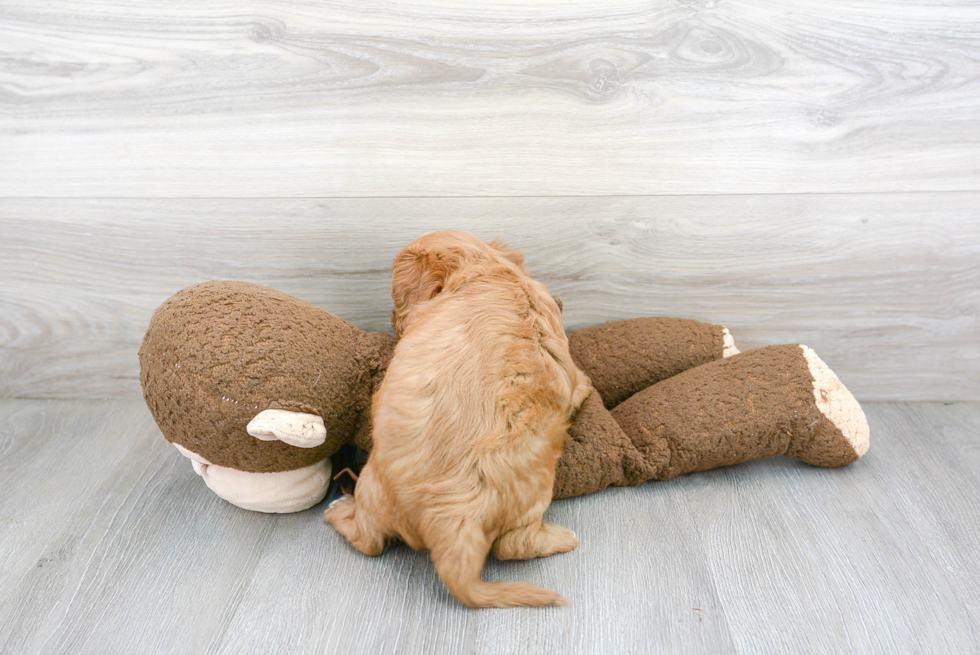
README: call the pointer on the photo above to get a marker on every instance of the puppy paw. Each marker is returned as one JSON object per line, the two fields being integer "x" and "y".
{"x": 562, "y": 539}
{"x": 339, "y": 510}
{"x": 536, "y": 540}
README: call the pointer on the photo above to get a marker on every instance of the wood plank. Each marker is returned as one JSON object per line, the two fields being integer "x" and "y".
{"x": 938, "y": 492}
{"x": 442, "y": 97}
{"x": 161, "y": 565}
{"x": 959, "y": 427}
{"x": 314, "y": 593}
{"x": 885, "y": 287}
{"x": 150, "y": 562}
{"x": 117, "y": 546}
{"x": 638, "y": 582}
{"x": 818, "y": 560}
{"x": 47, "y": 447}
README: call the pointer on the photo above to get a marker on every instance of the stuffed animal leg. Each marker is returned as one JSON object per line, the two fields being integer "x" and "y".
{"x": 777, "y": 400}
{"x": 622, "y": 358}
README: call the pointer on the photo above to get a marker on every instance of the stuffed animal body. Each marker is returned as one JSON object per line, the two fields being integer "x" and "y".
{"x": 258, "y": 389}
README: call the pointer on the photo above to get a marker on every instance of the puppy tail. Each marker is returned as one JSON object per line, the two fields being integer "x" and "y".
{"x": 459, "y": 560}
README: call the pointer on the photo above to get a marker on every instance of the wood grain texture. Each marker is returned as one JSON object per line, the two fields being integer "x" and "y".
{"x": 886, "y": 288}
{"x": 121, "y": 548}
{"x": 142, "y": 565}
{"x": 640, "y": 594}
{"x": 822, "y": 560}
{"x": 942, "y": 441}
{"x": 452, "y": 98}
{"x": 46, "y": 450}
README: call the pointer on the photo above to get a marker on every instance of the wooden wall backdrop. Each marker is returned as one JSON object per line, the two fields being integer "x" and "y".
{"x": 885, "y": 287}
{"x": 801, "y": 171}
{"x": 501, "y": 97}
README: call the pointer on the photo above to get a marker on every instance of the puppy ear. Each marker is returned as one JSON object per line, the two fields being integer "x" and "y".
{"x": 419, "y": 275}
{"x": 515, "y": 256}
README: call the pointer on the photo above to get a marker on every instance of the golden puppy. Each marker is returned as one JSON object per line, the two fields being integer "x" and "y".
{"x": 469, "y": 421}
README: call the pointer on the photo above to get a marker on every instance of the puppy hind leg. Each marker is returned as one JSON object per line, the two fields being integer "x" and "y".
{"x": 538, "y": 539}
{"x": 459, "y": 557}
{"x": 359, "y": 517}
{"x": 582, "y": 390}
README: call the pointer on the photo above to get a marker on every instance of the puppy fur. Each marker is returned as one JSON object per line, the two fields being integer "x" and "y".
{"x": 469, "y": 421}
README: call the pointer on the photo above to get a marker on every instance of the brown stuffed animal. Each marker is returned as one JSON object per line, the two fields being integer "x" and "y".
{"x": 259, "y": 389}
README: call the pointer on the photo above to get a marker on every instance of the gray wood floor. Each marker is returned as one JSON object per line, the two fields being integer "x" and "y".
{"x": 110, "y": 543}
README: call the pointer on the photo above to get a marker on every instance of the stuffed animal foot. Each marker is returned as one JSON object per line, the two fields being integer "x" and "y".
{"x": 596, "y": 454}
{"x": 777, "y": 400}
{"x": 277, "y": 493}
{"x": 844, "y": 436}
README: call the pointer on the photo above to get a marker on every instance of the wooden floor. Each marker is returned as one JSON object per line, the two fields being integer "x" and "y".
{"x": 110, "y": 543}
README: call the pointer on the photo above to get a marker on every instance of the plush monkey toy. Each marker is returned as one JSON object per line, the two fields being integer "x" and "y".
{"x": 258, "y": 389}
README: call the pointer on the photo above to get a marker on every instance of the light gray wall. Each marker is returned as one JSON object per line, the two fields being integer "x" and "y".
{"x": 801, "y": 172}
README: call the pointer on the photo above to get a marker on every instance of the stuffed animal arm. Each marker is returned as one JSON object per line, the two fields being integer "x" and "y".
{"x": 258, "y": 389}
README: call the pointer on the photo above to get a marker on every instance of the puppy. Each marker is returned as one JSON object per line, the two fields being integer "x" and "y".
{"x": 469, "y": 420}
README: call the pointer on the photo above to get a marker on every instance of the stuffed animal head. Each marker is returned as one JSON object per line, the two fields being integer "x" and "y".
{"x": 217, "y": 354}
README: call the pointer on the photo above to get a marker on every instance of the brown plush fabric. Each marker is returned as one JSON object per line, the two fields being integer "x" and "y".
{"x": 827, "y": 448}
{"x": 625, "y": 357}
{"x": 216, "y": 354}
{"x": 378, "y": 349}
{"x": 597, "y": 453}
{"x": 757, "y": 404}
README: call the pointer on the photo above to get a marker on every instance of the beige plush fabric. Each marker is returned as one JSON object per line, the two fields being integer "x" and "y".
{"x": 295, "y": 428}
{"x": 841, "y": 409}
{"x": 281, "y": 492}
{"x": 274, "y": 493}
